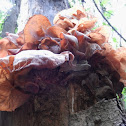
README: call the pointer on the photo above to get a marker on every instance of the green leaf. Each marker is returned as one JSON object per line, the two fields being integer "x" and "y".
{"x": 117, "y": 96}
{"x": 110, "y": 11}
{"x": 16, "y": 29}
{"x": 124, "y": 91}
{"x": 107, "y": 15}
{"x": 101, "y": 5}
{"x": 104, "y": 23}
{"x": 114, "y": 39}
{"x": 104, "y": 2}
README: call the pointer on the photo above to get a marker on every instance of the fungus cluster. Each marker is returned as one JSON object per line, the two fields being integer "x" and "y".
{"x": 69, "y": 45}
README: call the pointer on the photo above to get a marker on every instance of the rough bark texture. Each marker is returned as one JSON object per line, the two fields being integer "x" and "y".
{"x": 56, "y": 107}
{"x": 104, "y": 113}
{"x": 57, "y": 103}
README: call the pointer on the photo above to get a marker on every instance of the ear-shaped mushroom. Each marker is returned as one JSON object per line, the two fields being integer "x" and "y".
{"x": 81, "y": 39}
{"x": 117, "y": 60}
{"x": 80, "y": 14}
{"x": 35, "y": 30}
{"x": 3, "y": 51}
{"x": 97, "y": 38}
{"x": 10, "y": 98}
{"x": 68, "y": 42}
{"x": 20, "y": 40}
{"x": 34, "y": 59}
{"x": 91, "y": 49}
{"x": 14, "y": 51}
{"x": 7, "y": 63}
{"x": 50, "y": 44}
{"x": 5, "y": 44}
{"x": 64, "y": 23}
{"x": 69, "y": 19}
{"x": 74, "y": 12}
{"x": 105, "y": 31}
{"x": 86, "y": 24}
{"x": 86, "y": 49}
{"x": 54, "y": 31}
{"x": 39, "y": 59}
{"x": 100, "y": 35}
{"x": 12, "y": 38}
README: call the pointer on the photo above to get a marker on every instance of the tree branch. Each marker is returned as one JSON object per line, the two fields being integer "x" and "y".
{"x": 108, "y": 21}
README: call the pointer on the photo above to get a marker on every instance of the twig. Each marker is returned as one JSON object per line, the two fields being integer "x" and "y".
{"x": 108, "y": 21}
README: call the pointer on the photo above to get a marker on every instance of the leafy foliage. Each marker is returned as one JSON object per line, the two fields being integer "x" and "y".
{"x": 16, "y": 29}
{"x": 114, "y": 40}
{"x": 104, "y": 2}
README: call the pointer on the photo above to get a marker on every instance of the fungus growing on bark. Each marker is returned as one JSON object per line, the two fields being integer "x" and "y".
{"x": 64, "y": 23}
{"x": 76, "y": 12}
{"x": 6, "y": 44}
{"x": 50, "y": 44}
{"x": 100, "y": 35}
{"x": 67, "y": 50}
{"x": 54, "y": 31}
{"x": 85, "y": 24}
{"x": 68, "y": 42}
{"x": 34, "y": 30}
{"x": 20, "y": 40}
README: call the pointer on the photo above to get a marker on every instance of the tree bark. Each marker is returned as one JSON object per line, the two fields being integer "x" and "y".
{"x": 103, "y": 113}
{"x": 48, "y": 8}
{"x": 63, "y": 106}
{"x": 60, "y": 105}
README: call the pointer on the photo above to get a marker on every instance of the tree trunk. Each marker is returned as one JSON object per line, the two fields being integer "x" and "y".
{"x": 61, "y": 105}
{"x": 10, "y": 23}
{"x": 48, "y": 8}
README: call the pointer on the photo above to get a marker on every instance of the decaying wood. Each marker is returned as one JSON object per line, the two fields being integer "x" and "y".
{"x": 94, "y": 117}
{"x": 61, "y": 69}
{"x": 62, "y": 106}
